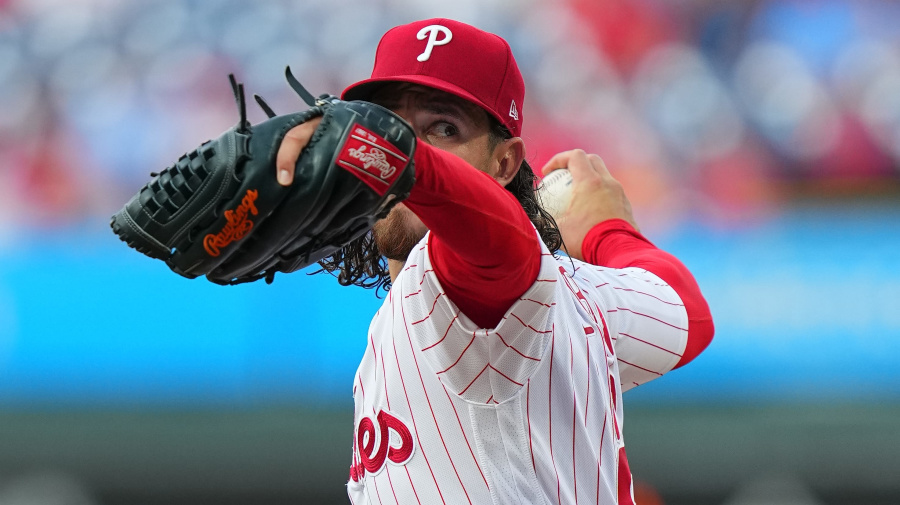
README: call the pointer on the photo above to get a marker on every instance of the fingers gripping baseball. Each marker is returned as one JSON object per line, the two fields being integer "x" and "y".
{"x": 289, "y": 152}
{"x": 596, "y": 197}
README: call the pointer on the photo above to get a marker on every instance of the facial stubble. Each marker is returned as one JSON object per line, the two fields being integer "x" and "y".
{"x": 397, "y": 234}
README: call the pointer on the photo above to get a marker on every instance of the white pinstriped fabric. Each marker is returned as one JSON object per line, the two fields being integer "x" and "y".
{"x": 529, "y": 412}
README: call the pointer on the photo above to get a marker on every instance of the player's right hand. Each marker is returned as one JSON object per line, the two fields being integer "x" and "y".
{"x": 596, "y": 197}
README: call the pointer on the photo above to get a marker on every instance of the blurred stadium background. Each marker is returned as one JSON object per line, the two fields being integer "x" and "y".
{"x": 758, "y": 140}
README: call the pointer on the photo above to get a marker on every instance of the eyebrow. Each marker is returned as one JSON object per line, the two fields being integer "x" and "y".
{"x": 445, "y": 107}
{"x": 433, "y": 103}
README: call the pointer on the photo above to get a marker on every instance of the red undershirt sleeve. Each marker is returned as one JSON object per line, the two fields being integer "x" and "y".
{"x": 483, "y": 248}
{"x": 616, "y": 244}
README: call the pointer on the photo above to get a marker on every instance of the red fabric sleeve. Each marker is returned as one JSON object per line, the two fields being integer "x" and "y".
{"x": 483, "y": 248}
{"x": 615, "y": 243}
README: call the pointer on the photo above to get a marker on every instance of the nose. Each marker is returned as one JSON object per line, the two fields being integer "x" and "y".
{"x": 406, "y": 114}
{"x": 403, "y": 112}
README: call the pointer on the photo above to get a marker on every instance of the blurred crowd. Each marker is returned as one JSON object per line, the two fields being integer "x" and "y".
{"x": 717, "y": 111}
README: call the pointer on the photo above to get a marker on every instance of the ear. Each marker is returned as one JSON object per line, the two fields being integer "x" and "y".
{"x": 507, "y": 159}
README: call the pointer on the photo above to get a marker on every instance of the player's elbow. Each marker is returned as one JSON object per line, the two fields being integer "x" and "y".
{"x": 700, "y": 332}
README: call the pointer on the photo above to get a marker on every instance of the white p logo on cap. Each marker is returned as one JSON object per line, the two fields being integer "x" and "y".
{"x": 432, "y": 31}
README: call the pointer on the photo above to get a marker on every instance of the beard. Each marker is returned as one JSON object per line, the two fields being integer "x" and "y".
{"x": 398, "y": 233}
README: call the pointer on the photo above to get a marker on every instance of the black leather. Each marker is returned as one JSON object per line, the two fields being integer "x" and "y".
{"x": 219, "y": 210}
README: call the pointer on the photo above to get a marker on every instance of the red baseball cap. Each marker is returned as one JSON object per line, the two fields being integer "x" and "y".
{"x": 454, "y": 57}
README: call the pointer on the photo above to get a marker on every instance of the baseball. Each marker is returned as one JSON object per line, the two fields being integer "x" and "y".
{"x": 555, "y": 191}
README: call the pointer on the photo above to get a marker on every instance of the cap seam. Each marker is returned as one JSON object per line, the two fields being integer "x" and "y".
{"x": 502, "y": 80}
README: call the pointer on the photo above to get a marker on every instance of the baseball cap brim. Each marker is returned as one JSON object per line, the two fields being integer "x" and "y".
{"x": 363, "y": 90}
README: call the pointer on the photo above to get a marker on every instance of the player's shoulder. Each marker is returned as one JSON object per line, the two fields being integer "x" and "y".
{"x": 581, "y": 272}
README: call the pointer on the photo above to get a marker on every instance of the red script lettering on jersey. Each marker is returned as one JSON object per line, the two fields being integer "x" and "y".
{"x": 368, "y": 458}
{"x": 372, "y": 159}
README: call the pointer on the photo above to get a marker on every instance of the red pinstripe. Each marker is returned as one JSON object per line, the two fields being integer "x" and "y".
{"x": 528, "y": 325}
{"x": 411, "y": 415}
{"x": 653, "y": 318}
{"x": 375, "y": 415}
{"x": 384, "y": 377}
{"x": 528, "y": 418}
{"x": 648, "y": 281}
{"x": 387, "y": 398}
{"x": 375, "y": 481}
{"x": 413, "y": 293}
{"x": 574, "y": 414}
{"x": 460, "y": 355}
{"x": 648, "y": 294}
{"x": 372, "y": 343}
{"x": 514, "y": 349}
{"x": 362, "y": 388}
{"x": 433, "y": 306}
{"x": 642, "y": 368}
{"x": 445, "y": 333}
{"x": 650, "y": 344}
{"x": 587, "y": 396}
{"x": 467, "y": 440}
{"x": 550, "y": 411}
{"x": 433, "y": 417}
{"x": 505, "y": 376}
{"x": 366, "y": 474}
{"x": 425, "y": 274}
{"x": 537, "y": 302}
{"x": 605, "y": 328}
{"x": 473, "y": 380}
{"x": 600, "y": 457}
{"x": 616, "y": 425}
{"x": 386, "y": 467}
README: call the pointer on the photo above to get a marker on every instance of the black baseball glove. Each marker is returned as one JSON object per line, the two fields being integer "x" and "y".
{"x": 220, "y": 212}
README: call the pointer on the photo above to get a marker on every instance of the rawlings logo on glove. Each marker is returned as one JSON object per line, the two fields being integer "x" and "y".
{"x": 372, "y": 150}
{"x": 239, "y": 224}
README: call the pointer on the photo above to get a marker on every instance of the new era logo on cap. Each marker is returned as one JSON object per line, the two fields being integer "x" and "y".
{"x": 513, "y": 110}
{"x": 454, "y": 57}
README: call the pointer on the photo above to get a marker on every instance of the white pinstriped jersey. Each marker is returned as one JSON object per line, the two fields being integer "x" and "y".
{"x": 529, "y": 412}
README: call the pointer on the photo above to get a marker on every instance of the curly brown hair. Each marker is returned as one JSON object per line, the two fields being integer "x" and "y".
{"x": 360, "y": 263}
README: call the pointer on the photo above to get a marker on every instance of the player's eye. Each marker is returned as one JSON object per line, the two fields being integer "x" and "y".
{"x": 443, "y": 129}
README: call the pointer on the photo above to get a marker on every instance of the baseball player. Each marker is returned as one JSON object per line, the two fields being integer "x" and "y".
{"x": 495, "y": 368}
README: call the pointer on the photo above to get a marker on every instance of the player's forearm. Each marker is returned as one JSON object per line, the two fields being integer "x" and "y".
{"x": 615, "y": 243}
{"x": 483, "y": 247}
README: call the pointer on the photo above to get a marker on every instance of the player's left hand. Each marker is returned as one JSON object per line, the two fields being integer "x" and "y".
{"x": 596, "y": 197}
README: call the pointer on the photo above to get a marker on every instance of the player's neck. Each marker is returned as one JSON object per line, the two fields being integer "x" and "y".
{"x": 394, "y": 268}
